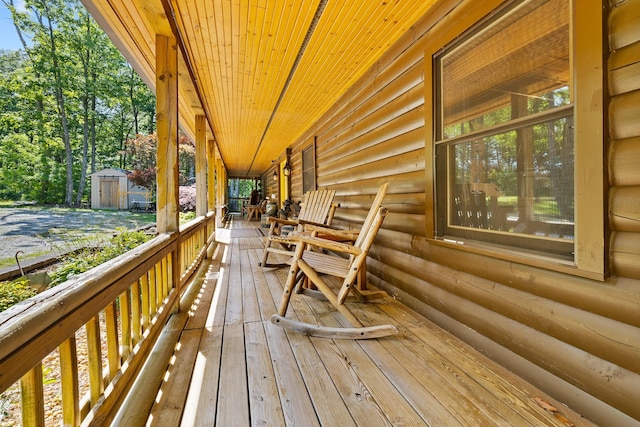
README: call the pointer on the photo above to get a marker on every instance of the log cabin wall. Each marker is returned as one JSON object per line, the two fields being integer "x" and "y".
{"x": 576, "y": 338}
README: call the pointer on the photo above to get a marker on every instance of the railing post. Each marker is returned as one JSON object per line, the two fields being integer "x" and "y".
{"x": 69, "y": 383}
{"x": 32, "y": 392}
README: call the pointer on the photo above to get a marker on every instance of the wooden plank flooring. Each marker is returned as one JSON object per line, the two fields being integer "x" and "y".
{"x": 232, "y": 367}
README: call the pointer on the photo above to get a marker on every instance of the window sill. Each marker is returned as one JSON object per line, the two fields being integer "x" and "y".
{"x": 520, "y": 257}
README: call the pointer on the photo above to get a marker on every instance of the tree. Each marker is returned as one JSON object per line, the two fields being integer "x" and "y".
{"x": 142, "y": 152}
{"x": 69, "y": 98}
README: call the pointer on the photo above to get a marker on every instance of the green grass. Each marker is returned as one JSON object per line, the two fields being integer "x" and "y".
{"x": 8, "y": 262}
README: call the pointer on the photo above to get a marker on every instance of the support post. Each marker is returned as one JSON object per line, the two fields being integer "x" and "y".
{"x": 167, "y": 215}
{"x": 211, "y": 174}
{"x": 201, "y": 166}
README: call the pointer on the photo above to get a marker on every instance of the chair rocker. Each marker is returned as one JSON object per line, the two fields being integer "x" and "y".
{"x": 317, "y": 209}
{"x": 309, "y": 266}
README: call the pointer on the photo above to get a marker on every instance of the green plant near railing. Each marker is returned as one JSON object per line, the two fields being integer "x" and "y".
{"x": 86, "y": 259}
{"x": 14, "y": 292}
{"x": 187, "y": 216}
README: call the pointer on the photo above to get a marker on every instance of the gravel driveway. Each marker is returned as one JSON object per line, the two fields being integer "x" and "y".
{"x": 36, "y": 230}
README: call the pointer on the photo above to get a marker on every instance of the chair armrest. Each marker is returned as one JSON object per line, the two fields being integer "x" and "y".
{"x": 332, "y": 232}
{"x": 282, "y": 221}
{"x": 331, "y": 245}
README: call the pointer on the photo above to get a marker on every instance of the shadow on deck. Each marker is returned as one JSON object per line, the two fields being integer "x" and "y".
{"x": 232, "y": 366}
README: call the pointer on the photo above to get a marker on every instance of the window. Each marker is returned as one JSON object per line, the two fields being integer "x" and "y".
{"x": 505, "y": 142}
{"x": 309, "y": 168}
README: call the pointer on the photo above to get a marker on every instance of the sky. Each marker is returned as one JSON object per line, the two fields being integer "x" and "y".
{"x": 8, "y": 35}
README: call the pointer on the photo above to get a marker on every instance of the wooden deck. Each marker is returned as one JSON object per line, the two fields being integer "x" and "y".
{"x": 232, "y": 367}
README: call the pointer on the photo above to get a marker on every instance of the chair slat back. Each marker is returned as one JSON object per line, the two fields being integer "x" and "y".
{"x": 369, "y": 220}
{"x": 316, "y": 206}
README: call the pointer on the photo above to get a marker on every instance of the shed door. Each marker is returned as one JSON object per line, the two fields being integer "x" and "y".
{"x": 109, "y": 193}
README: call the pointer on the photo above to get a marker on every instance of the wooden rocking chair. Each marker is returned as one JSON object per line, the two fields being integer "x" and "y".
{"x": 317, "y": 209}
{"x": 308, "y": 265}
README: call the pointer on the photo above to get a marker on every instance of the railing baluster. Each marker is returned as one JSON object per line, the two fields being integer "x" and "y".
{"x": 170, "y": 268}
{"x": 94, "y": 351}
{"x": 152, "y": 293}
{"x": 125, "y": 322}
{"x": 32, "y": 393}
{"x": 165, "y": 275}
{"x": 136, "y": 313}
{"x": 146, "y": 298}
{"x": 69, "y": 383}
{"x": 113, "y": 356}
{"x": 158, "y": 284}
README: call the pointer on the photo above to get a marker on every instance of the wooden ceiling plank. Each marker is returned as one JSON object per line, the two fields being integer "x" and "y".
{"x": 219, "y": 60}
{"x": 297, "y": 23}
{"x": 243, "y": 66}
{"x": 347, "y": 77}
{"x": 335, "y": 29}
{"x": 264, "y": 96}
{"x": 329, "y": 33}
{"x": 125, "y": 38}
{"x": 252, "y": 108}
{"x": 254, "y": 18}
{"x": 214, "y": 76}
{"x": 242, "y": 52}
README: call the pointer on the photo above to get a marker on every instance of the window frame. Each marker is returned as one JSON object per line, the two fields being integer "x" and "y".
{"x": 309, "y": 186}
{"x": 587, "y": 62}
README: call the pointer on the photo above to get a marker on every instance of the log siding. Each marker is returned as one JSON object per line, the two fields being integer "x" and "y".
{"x": 576, "y": 338}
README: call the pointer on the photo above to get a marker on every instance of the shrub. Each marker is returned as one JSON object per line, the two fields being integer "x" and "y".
{"x": 13, "y": 292}
{"x": 91, "y": 257}
{"x": 187, "y": 198}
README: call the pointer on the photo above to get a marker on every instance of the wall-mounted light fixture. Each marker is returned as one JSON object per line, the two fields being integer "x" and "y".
{"x": 286, "y": 170}
{"x": 275, "y": 175}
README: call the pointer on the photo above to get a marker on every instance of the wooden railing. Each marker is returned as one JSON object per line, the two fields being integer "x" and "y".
{"x": 122, "y": 305}
{"x": 194, "y": 236}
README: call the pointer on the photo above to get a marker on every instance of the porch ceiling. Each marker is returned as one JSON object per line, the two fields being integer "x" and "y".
{"x": 260, "y": 71}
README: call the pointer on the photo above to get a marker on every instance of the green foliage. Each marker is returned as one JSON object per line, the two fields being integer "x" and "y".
{"x": 187, "y": 216}
{"x": 65, "y": 98}
{"x": 141, "y": 152}
{"x": 241, "y": 187}
{"x": 89, "y": 258}
{"x": 13, "y": 292}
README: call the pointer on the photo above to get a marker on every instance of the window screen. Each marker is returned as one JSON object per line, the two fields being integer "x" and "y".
{"x": 504, "y": 131}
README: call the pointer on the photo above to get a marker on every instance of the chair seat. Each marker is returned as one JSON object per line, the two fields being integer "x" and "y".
{"x": 317, "y": 209}
{"x": 327, "y": 264}
{"x": 314, "y": 270}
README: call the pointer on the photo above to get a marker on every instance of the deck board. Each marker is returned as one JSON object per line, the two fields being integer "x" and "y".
{"x": 263, "y": 389}
{"x": 233, "y": 397}
{"x": 243, "y": 370}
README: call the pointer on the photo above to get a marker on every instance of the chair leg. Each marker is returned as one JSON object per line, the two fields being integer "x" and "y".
{"x": 267, "y": 245}
{"x": 291, "y": 280}
{"x": 301, "y": 282}
{"x": 326, "y": 290}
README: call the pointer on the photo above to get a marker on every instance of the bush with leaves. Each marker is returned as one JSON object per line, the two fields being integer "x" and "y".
{"x": 187, "y": 198}
{"x": 14, "y": 292}
{"x": 92, "y": 257}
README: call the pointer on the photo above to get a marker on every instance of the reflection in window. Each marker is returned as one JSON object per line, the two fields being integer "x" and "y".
{"x": 309, "y": 168}
{"x": 504, "y": 143}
